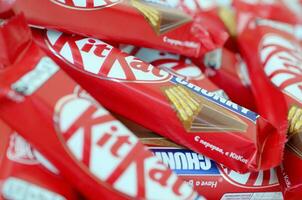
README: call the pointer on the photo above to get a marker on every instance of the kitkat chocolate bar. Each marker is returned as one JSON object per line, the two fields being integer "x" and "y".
{"x": 273, "y": 55}
{"x": 143, "y": 23}
{"x": 211, "y": 179}
{"x": 90, "y": 148}
{"x": 26, "y": 174}
{"x": 169, "y": 105}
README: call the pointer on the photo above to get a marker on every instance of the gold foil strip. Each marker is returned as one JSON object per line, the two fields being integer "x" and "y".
{"x": 229, "y": 19}
{"x": 150, "y": 13}
{"x": 295, "y": 120}
{"x": 161, "y": 19}
{"x": 177, "y": 105}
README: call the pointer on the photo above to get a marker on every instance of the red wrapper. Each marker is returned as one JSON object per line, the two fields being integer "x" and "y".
{"x": 142, "y": 23}
{"x": 293, "y": 29}
{"x": 5, "y": 6}
{"x": 289, "y": 177}
{"x": 203, "y": 121}
{"x": 229, "y": 72}
{"x": 24, "y": 172}
{"x": 208, "y": 177}
{"x": 78, "y": 135}
{"x": 279, "y": 10}
{"x": 216, "y": 181}
{"x": 288, "y": 11}
{"x": 208, "y": 19}
{"x": 177, "y": 65}
{"x": 274, "y": 59}
{"x": 223, "y": 67}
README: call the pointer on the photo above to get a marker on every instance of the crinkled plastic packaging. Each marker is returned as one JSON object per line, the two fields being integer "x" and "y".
{"x": 90, "y": 148}
{"x": 166, "y": 104}
{"x": 273, "y": 55}
{"x": 143, "y": 23}
{"x": 26, "y": 174}
{"x": 208, "y": 177}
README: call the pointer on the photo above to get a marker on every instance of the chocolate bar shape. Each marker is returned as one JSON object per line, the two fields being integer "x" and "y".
{"x": 161, "y": 19}
{"x": 200, "y": 115}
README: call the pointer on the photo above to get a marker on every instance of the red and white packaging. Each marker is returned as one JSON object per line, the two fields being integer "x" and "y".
{"x": 229, "y": 72}
{"x": 274, "y": 60}
{"x": 143, "y": 23}
{"x": 216, "y": 181}
{"x": 147, "y": 95}
{"x": 175, "y": 64}
{"x": 26, "y": 174}
{"x": 226, "y": 69}
{"x": 294, "y": 29}
{"x": 279, "y": 10}
{"x": 90, "y": 148}
{"x": 211, "y": 179}
{"x": 206, "y": 16}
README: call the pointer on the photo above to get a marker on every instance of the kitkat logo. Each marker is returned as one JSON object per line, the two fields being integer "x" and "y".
{"x": 261, "y": 179}
{"x": 86, "y": 4}
{"x": 112, "y": 153}
{"x": 282, "y": 61}
{"x": 177, "y": 65}
{"x": 102, "y": 60}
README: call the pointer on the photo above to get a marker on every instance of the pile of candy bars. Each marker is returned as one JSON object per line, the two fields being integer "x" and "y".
{"x": 150, "y": 99}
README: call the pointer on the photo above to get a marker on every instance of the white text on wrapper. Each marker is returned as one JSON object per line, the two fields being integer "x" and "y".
{"x": 94, "y": 136}
{"x": 102, "y": 60}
